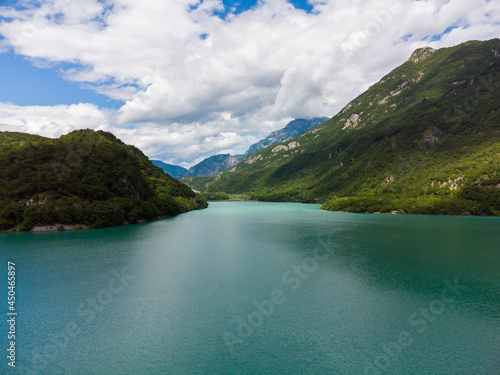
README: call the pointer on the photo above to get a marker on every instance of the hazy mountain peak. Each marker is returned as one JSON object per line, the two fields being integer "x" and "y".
{"x": 291, "y": 130}
{"x": 175, "y": 171}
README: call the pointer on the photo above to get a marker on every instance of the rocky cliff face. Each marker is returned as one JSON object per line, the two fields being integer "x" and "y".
{"x": 421, "y": 54}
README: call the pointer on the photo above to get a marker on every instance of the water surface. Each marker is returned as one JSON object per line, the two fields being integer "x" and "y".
{"x": 259, "y": 288}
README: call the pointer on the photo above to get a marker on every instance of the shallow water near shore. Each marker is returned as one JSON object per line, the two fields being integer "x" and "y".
{"x": 258, "y": 288}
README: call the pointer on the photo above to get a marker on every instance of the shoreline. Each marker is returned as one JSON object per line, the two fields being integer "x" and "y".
{"x": 75, "y": 227}
{"x": 58, "y": 228}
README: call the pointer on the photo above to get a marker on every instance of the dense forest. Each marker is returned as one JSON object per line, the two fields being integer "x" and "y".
{"x": 87, "y": 179}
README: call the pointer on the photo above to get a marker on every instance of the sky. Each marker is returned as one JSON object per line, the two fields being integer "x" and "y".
{"x": 187, "y": 79}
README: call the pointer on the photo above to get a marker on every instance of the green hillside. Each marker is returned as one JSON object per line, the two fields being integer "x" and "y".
{"x": 424, "y": 139}
{"x": 84, "y": 179}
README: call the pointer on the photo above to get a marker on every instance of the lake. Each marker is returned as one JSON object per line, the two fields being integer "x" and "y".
{"x": 258, "y": 288}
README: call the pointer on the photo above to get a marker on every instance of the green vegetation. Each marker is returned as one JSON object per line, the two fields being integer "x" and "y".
{"x": 86, "y": 179}
{"x": 424, "y": 139}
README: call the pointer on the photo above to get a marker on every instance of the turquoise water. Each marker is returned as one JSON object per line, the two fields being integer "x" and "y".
{"x": 258, "y": 288}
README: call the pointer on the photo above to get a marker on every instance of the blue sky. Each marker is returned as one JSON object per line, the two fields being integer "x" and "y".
{"x": 237, "y": 7}
{"x": 24, "y": 83}
{"x": 184, "y": 82}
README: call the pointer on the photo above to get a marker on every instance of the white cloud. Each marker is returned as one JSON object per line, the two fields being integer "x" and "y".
{"x": 52, "y": 121}
{"x": 188, "y": 97}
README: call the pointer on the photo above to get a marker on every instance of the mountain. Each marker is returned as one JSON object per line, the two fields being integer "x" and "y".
{"x": 175, "y": 171}
{"x": 84, "y": 179}
{"x": 218, "y": 163}
{"x": 214, "y": 164}
{"x": 424, "y": 139}
{"x": 291, "y": 130}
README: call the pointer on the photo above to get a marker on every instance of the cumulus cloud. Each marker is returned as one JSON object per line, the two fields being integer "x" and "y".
{"x": 194, "y": 84}
{"x": 51, "y": 121}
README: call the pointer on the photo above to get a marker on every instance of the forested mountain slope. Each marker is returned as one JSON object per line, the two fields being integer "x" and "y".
{"x": 424, "y": 139}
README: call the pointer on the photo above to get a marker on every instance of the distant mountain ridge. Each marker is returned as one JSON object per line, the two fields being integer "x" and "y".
{"x": 217, "y": 163}
{"x": 214, "y": 164}
{"x": 175, "y": 171}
